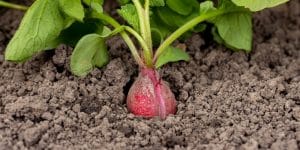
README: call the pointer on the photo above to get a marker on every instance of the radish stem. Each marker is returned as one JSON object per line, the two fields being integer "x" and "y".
{"x": 146, "y": 33}
{"x": 124, "y": 35}
{"x": 13, "y": 6}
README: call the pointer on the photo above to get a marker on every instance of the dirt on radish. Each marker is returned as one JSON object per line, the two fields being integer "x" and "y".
{"x": 225, "y": 100}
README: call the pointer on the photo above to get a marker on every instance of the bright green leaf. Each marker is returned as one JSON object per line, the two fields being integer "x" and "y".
{"x": 89, "y": 52}
{"x": 257, "y": 5}
{"x": 97, "y": 7}
{"x": 38, "y": 31}
{"x": 171, "y": 54}
{"x": 206, "y": 7}
{"x": 129, "y": 13}
{"x": 72, "y": 8}
{"x": 235, "y": 29}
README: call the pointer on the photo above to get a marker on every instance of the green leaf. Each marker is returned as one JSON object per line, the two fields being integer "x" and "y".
{"x": 106, "y": 32}
{"x": 172, "y": 18}
{"x": 72, "y": 8}
{"x": 235, "y": 29}
{"x": 77, "y": 30}
{"x": 157, "y": 36}
{"x": 129, "y": 13}
{"x": 38, "y": 31}
{"x": 97, "y": 7}
{"x": 89, "y": 52}
{"x": 180, "y": 6}
{"x": 216, "y": 36}
{"x": 123, "y": 2}
{"x": 157, "y": 3}
{"x": 257, "y": 5}
{"x": 159, "y": 30}
{"x": 101, "y": 57}
{"x": 171, "y": 54}
{"x": 89, "y": 2}
{"x": 234, "y": 26}
{"x": 206, "y": 7}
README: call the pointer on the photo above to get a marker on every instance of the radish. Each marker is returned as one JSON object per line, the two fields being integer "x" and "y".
{"x": 150, "y": 96}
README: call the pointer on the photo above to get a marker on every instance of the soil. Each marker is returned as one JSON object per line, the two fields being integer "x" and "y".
{"x": 226, "y": 100}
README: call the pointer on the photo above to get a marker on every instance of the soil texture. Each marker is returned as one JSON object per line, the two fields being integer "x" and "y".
{"x": 226, "y": 100}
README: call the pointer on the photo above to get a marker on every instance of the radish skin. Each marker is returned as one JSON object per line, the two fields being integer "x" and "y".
{"x": 150, "y": 96}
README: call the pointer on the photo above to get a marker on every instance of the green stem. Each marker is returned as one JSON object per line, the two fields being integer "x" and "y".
{"x": 141, "y": 14}
{"x": 124, "y": 35}
{"x": 179, "y": 32}
{"x": 13, "y": 6}
{"x": 132, "y": 32}
{"x": 148, "y": 53}
{"x": 138, "y": 37}
{"x": 147, "y": 26}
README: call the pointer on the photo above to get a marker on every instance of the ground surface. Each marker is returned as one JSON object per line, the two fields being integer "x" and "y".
{"x": 226, "y": 100}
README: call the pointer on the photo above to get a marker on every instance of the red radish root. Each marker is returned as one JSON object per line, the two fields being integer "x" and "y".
{"x": 150, "y": 96}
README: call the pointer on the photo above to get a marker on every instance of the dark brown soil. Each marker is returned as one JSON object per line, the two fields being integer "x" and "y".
{"x": 226, "y": 100}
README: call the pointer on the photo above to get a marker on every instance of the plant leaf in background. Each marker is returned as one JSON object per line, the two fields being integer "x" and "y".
{"x": 89, "y": 52}
{"x": 72, "y": 8}
{"x": 77, "y": 30}
{"x": 165, "y": 20}
{"x": 182, "y": 7}
{"x": 159, "y": 30}
{"x": 257, "y": 5}
{"x": 206, "y": 7}
{"x": 89, "y": 2}
{"x": 123, "y": 2}
{"x": 171, "y": 54}
{"x": 157, "y": 3}
{"x": 38, "y": 31}
{"x": 97, "y": 7}
{"x": 234, "y": 26}
{"x": 236, "y": 30}
{"x": 129, "y": 13}
{"x": 172, "y": 18}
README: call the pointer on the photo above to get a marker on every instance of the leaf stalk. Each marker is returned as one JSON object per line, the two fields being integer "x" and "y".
{"x": 13, "y": 6}
{"x": 124, "y": 35}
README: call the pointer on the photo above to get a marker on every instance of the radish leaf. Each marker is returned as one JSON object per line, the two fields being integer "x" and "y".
{"x": 234, "y": 25}
{"x": 257, "y": 5}
{"x": 157, "y": 3}
{"x": 89, "y": 52}
{"x": 235, "y": 29}
{"x": 206, "y": 7}
{"x": 37, "y": 31}
{"x": 129, "y": 13}
{"x": 78, "y": 29}
{"x": 180, "y": 6}
{"x": 171, "y": 54}
{"x": 72, "y": 8}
